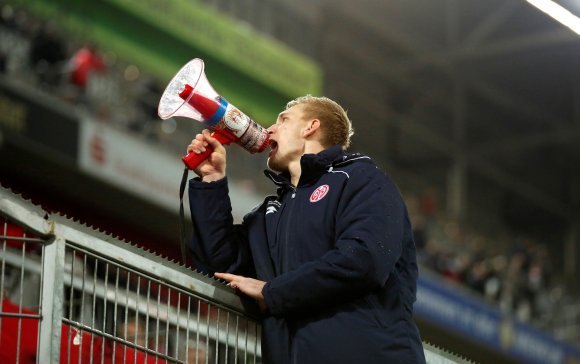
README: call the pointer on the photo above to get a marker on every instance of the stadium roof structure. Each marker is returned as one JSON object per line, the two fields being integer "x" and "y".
{"x": 479, "y": 96}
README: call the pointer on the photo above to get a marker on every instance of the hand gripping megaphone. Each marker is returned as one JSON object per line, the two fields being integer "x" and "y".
{"x": 189, "y": 94}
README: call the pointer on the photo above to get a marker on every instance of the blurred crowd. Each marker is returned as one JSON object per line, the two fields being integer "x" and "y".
{"x": 515, "y": 273}
{"x": 511, "y": 271}
{"x": 79, "y": 73}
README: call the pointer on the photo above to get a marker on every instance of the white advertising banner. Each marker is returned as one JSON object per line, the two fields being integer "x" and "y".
{"x": 131, "y": 164}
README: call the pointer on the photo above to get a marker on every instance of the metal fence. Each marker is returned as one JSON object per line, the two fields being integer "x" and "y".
{"x": 71, "y": 294}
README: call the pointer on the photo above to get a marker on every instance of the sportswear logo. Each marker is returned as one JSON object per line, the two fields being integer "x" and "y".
{"x": 271, "y": 210}
{"x": 319, "y": 193}
{"x": 273, "y": 206}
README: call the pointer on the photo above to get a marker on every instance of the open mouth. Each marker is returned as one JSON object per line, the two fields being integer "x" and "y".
{"x": 273, "y": 146}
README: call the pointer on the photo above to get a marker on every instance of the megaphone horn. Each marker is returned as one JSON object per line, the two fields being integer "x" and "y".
{"x": 189, "y": 94}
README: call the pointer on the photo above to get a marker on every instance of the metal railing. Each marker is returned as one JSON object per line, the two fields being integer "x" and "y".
{"x": 71, "y": 294}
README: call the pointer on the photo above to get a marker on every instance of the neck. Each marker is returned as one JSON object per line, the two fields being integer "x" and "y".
{"x": 295, "y": 168}
{"x": 295, "y": 171}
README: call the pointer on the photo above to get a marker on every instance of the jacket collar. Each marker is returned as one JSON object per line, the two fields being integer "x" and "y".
{"x": 315, "y": 165}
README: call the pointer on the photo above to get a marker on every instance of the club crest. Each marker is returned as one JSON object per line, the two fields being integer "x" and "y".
{"x": 319, "y": 193}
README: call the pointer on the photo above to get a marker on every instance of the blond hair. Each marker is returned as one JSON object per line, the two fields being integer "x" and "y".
{"x": 335, "y": 125}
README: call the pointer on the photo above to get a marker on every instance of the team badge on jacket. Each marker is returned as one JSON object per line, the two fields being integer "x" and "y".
{"x": 319, "y": 193}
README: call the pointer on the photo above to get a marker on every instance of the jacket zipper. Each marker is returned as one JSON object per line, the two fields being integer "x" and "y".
{"x": 287, "y": 228}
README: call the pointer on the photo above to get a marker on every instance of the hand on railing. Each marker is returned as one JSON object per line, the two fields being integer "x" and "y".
{"x": 248, "y": 286}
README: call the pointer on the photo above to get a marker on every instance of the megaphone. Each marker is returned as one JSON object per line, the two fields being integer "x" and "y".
{"x": 189, "y": 94}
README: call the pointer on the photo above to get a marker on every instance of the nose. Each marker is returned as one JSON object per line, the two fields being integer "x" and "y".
{"x": 271, "y": 129}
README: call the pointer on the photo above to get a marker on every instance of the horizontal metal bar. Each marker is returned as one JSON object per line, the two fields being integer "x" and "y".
{"x": 19, "y": 315}
{"x": 28, "y": 240}
{"x": 27, "y": 214}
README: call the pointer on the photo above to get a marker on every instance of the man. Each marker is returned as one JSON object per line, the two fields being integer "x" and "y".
{"x": 330, "y": 259}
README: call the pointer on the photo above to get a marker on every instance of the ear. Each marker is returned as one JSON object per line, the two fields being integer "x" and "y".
{"x": 311, "y": 128}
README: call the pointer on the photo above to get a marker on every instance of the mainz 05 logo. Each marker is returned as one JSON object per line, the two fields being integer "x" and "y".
{"x": 319, "y": 193}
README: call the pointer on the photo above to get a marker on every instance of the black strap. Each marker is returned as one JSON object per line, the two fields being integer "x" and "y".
{"x": 184, "y": 242}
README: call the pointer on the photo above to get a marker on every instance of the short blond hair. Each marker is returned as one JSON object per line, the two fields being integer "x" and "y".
{"x": 334, "y": 122}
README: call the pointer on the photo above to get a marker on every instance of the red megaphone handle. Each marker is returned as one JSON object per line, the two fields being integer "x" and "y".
{"x": 192, "y": 160}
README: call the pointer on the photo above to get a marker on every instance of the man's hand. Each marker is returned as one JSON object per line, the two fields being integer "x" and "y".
{"x": 214, "y": 167}
{"x": 248, "y": 286}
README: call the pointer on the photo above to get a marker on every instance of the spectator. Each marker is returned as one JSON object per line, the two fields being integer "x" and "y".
{"x": 197, "y": 353}
{"x": 47, "y": 55}
{"x": 133, "y": 331}
{"x": 85, "y": 61}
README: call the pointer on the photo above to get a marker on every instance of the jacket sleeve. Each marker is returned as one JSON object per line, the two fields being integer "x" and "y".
{"x": 218, "y": 245}
{"x": 370, "y": 224}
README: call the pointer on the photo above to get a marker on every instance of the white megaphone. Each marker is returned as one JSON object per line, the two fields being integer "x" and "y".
{"x": 189, "y": 94}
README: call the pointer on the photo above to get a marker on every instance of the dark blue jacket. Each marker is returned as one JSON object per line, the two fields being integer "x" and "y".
{"x": 337, "y": 253}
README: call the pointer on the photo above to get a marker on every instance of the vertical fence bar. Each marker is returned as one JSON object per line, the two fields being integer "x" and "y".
{"x": 177, "y": 329}
{"x": 236, "y": 342}
{"x": 2, "y": 273}
{"x": 52, "y": 301}
{"x": 94, "y": 310}
{"x": 207, "y": 336}
{"x": 137, "y": 332}
{"x": 197, "y": 331}
{"x": 82, "y": 305}
{"x": 104, "y": 327}
{"x": 70, "y": 305}
{"x": 227, "y": 335}
{"x": 217, "y": 336}
{"x": 126, "y": 317}
{"x": 20, "y": 297}
{"x": 115, "y": 330}
{"x": 147, "y": 318}
{"x": 157, "y": 314}
{"x": 187, "y": 329}
{"x": 41, "y": 294}
{"x": 166, "y": 348}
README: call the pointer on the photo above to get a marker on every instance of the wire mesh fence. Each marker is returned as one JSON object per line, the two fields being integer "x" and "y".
{"x": 130, "y": 316}
{"x": 71, "y": 295}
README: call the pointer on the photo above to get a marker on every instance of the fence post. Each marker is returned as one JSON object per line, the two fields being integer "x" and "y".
{"x": 52, "y": 301}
